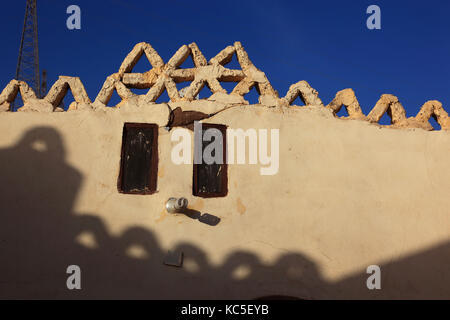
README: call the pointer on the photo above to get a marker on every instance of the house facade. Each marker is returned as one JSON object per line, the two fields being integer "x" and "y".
{"x": 88, "y": 186}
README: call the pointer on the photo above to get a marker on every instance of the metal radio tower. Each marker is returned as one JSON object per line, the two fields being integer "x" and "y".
{"x": 28, "y": 62}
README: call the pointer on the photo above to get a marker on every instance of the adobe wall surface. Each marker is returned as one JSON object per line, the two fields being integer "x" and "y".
{"x": 348, "y": 194}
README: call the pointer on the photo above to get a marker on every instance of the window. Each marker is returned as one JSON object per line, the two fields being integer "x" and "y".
{"x": 210, "y": 180}
{"x": 139, "y": 159}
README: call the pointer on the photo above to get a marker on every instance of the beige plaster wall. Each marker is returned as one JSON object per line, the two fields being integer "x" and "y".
{"x": 348, "y": 194}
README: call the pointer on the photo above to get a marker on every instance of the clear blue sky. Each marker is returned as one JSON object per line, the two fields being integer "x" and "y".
{"x": 323, "y": 42}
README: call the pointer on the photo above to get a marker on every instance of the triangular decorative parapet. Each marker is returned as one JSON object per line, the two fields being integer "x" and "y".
{"x": 165, "y": 77}
{"x": 10, "y": 92}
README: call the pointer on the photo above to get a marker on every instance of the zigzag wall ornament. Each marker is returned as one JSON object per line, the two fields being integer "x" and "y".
{"x": 165, "y": 77}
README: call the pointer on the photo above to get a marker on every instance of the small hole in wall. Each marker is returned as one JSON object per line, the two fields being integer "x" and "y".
{"x": 385, "y": 120}
{"x": 343, "y": 112}
{"x": 252, "y": 96}
{"x": 434, "y": 123}
{"x": 163, "y": 98}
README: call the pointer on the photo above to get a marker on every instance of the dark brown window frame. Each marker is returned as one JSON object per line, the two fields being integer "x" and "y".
{"x": 154, "y": 160}
{"x": 224, "y": 185}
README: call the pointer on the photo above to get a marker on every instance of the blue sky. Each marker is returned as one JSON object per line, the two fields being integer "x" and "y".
{"x": 323, "y": 42}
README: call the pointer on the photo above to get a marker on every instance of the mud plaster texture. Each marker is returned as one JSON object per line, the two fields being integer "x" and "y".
{"x": 348, "y": 194}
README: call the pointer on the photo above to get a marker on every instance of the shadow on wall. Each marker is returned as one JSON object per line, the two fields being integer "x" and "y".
{"x": 38, "y": 231}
